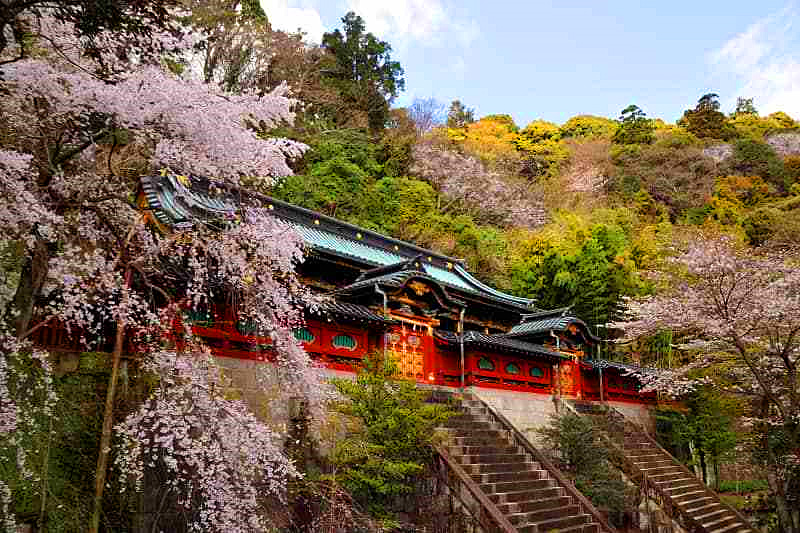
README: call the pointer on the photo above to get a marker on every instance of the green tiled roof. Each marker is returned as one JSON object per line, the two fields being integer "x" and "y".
{"x": 174, "y": 203}
{"x": 330, "y": 241}
{"x": 349, "y": 310}
{"x": 398, "y": 279}
{"x": 622, "y": 367}
{"x": 498, "y": 342}
{"x": 545, "y": 321}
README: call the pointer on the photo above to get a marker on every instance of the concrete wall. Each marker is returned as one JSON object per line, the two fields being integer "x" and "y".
{"x": 639, "y": 413}
{"x": 527, "y": 411}
{"x": 530, "y": 411}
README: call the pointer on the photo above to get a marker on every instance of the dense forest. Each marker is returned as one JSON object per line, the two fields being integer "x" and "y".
{"x": 676, "y": 242}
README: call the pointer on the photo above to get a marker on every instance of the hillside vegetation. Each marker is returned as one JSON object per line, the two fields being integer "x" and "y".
{"x": 569, "y": 214}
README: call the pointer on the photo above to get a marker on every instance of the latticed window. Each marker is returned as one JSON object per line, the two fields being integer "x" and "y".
{"x": 304, "y": 335}
{"x": 484, "y": 363}
{"x": 343, "y": 341}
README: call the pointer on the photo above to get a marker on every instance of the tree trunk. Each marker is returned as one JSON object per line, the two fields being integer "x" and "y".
{"x": 787, "y": 516}
{"x": 703, "y": 466}
{"x": 108, "y": 419}
{"x": 32, "y": 278}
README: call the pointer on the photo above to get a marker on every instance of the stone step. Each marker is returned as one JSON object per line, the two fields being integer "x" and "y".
{"x": 703, "y": 499}
{"x": 488, "y": 458}
{"x": 674, "y": 491}
{"x": 642, "y": 454}
{"x": 670, "y": 479}
{"x": 537, "y": 517}
{"x": 480, "y": 435}
{"x": 713, "y": 515}
{"x": 559, "y": 523}
{"x": 514, "y": 492}
{"x": 720, "y": 521}
{"x": 507, "y": 477}
{"x": 672, "y": 484}
{"x": 525, "y": 505}
{"x": 731, "y": 528}
{"x": 580, "y": 528}
{"x": 470, "y": 425}
{"x": 668, "y": 469}
{"x": 481, "y": 450}
{"x": 499, "y": 468}
{"x": 702, "y": 508}
{"x": 688, "y": 495}
{"x": 640, "y": 446}
{"x": 468, "y": 439}
{"x": 652, "y": 463}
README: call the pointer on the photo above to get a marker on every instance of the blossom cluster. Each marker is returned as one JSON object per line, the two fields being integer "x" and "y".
{"x": 465, "y": 179}
{"x": 212, "y": 448}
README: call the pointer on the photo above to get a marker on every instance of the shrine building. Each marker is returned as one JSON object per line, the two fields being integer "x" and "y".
{"x": 442, "y": 325}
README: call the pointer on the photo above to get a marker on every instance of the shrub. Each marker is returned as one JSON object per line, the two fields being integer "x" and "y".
{"x": 385, "y": 459}
{"x": 744, "y": 485}
{"x": 755, "y": 158}
{"x": 759, "y": 226}
{"x": 585, "y": 457}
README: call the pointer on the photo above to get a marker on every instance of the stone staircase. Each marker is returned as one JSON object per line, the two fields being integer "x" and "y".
{"x": 527, "y": 491}
{"x": 684, "y": 497}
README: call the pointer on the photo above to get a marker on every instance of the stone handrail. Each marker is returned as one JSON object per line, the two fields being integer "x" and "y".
{"x": 495, "y": 521}
{"x": 545, "y": 463}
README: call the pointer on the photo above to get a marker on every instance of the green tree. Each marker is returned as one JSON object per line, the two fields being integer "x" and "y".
{"x": 585, "y": 458}
{"x": 705, "y": 431}
{"x": 588, "y": 268}
{"x": 459, "y": 115}
{"x": 394, "y": 447}
{"x": 363, "y": 70}
{"x": 634, "y": 128}
{"x": 756, "y": 158}
{"x": 744, "y": 106}
{"x": 706, "y": 121}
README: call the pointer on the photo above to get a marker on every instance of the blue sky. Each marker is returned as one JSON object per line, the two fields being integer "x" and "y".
{"x": 553, "y": 60}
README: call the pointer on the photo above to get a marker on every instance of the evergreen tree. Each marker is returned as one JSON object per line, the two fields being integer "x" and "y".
{"x": 363, "y": 69}
{"x": 707, "y": 121}
{"x": 459, "y": 115}
{"x": 634, "y": 128}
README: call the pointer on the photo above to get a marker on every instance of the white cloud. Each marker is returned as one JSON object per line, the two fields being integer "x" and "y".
{"x": 762, "y": 60}
{"x": 282, "y": 16}
{"x": 428, "y": 21}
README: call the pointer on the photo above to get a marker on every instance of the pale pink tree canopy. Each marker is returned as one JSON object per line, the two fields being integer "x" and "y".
{"x": 464, "y": 179}
{"x": 96, "y": 261}
{"x": 735, "y": 306}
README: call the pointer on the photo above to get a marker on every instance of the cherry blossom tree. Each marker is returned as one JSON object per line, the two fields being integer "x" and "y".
{"x": 741, "y": 312}
{"x": 466, "y": 181}
{"x": 91, "y": 261}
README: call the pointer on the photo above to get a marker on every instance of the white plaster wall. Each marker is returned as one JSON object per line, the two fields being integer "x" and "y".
{"x": 641, "y": 414}
{"x": 527, "y": 411}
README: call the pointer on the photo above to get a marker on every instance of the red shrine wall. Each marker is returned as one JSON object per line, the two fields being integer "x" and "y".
{"x": 419, "y": 356}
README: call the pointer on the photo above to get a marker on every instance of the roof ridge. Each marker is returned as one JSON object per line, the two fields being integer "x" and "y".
{"x": 545, "y": 312}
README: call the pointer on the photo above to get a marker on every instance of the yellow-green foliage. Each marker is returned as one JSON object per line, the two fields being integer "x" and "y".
{"x": 589, "y": 127}
{"x": 536, "y": 132}
{"x": 541, "y": 143}
{"x": 491, "y": 138}
{"x": 783, "y": 120}
{"x": 756, "y": 127}
{"x": 588, "y": 261}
